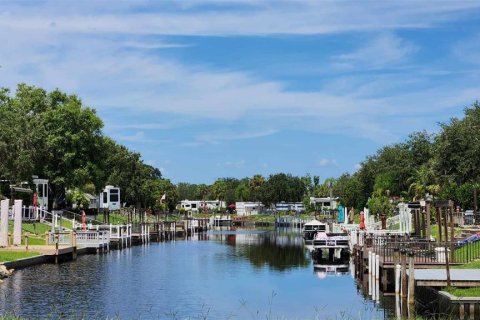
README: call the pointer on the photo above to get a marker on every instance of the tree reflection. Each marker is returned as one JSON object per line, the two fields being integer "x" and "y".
{"x": 277, "y": 254}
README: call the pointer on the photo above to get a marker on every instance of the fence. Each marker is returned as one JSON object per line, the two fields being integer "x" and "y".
{"x": 62, "y": 238}
{"x": 93, "y": 239}
{"x": 426, "y": 252}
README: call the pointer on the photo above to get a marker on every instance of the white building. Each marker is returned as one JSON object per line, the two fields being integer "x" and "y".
{"x": 195, "y": 205}
{"x": 289, "y": 206}
{"x": 324, "y": 203}
{"x": 110, "y": 198}
{"x": 249, "y": 208}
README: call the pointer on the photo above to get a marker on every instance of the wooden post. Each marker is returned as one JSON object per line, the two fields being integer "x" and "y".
{"x": 403, "y": 258}
{"x": 411, "y": 277}
{"x": 439, "y": 222}
{"x": 422, "y": 218}
{"x": 452, "y": 226}
{"x": 429, "y": 227}
{"x": 447, "y": 264}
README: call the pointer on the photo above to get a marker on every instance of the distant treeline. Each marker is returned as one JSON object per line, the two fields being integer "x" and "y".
{"x": 54, "y": 136}
{"x": 445, "y": 165}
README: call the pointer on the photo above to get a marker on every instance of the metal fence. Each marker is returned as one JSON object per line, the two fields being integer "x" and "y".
{"x": 427, "y": 252}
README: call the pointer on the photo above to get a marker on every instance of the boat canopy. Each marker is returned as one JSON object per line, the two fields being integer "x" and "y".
{"x": 314, "y": 223}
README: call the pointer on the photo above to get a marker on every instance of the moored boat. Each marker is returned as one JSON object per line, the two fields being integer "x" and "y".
{"x": 311, "y": 228}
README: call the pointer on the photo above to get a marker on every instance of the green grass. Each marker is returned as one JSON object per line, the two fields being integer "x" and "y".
{"x": 36, "y": 228}
{"x": 468, "y": 252}
{"x": 463, "y": 292}
{"x": 16, "y": 255}
{"x": 470, "y": 265}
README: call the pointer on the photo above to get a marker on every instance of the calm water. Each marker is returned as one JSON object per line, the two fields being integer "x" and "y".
{"x": 243, "y": 274}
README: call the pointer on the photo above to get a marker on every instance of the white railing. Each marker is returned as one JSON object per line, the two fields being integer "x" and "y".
{"x": 55, "y": 218}
{"x": 93, "y": 239}
{"x": 62, "y": 238}
{"x": 119, "y": 232}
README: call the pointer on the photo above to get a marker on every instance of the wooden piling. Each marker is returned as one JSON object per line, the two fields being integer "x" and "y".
{"x": 411, "y": 277}
{"x": 403, "y": 260}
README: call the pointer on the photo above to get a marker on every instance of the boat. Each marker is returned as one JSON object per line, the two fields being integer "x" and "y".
{"x": 336, "y": 244}
{"x": 311, "y": 228}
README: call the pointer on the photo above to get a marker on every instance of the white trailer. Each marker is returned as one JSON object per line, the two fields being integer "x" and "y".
{"x": 110, "y": 198}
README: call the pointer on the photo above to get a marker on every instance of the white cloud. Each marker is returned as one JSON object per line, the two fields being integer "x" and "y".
{"x": 238, "y": 164}
{"x": 83, "y": 52}
{"x": 324, "y": 162}
{"x": 262, "y": 18}
{"x": 469, "y": 50}
{"x": 386, "y": 50}
{"x": 218, "y": 136}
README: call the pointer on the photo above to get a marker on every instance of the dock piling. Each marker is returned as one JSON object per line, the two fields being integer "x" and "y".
{"x": 411, "y": 277}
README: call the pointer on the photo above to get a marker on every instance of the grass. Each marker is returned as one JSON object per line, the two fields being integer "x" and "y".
{"x": 470, "y": 265}
{"x": 468, "y": 252}
{"x": 457, "y": 232}
{"x": 36, "y": 228}
{"x": 16, "y": 255}
{"x": 463, "y": 292}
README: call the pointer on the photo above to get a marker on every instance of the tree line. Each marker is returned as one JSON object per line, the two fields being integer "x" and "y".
{"x": 53, "y": 135}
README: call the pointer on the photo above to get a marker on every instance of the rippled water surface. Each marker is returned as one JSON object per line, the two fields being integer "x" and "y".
{"x": 243, "y": 274}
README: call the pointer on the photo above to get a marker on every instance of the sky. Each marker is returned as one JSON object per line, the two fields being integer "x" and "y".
{"x": 206, "y": 89}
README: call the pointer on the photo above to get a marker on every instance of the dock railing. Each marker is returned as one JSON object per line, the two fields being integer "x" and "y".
{"x": 62, "y": 238}
{"x": 426, "y": 252}
{"x": 93, "y": 238}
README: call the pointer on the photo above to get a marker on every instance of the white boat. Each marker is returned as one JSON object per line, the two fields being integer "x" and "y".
{"x": 335, "y": 244}
{"x": 311, "y": 228}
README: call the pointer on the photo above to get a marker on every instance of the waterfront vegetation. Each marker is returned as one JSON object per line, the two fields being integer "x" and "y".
{"x": 41, "y": 132}
{"x": 6, "y": 255}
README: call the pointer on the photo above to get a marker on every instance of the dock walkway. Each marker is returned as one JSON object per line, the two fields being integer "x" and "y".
{"x": 438, "y": 277}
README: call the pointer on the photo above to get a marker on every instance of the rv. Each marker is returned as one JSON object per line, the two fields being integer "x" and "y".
{"x": 110, "y": 198}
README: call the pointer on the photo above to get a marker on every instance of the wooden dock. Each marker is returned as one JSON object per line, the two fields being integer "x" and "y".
{"x": 438, "y": 277}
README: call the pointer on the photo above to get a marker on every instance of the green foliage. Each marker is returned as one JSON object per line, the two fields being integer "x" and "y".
{"x": 78, "y": 198}
{"x": 380, "y": 204}
{"x": 282, "y": 187}
{"x": 242, "y": 192}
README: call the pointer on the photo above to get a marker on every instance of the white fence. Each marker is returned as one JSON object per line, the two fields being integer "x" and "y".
{"x": 93, "y": 239}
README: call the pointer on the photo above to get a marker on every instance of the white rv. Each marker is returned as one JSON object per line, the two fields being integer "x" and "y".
{"x": 110, "y": 198}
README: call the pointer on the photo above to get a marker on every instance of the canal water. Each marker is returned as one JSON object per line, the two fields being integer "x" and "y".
{"x": 224, "y": 274}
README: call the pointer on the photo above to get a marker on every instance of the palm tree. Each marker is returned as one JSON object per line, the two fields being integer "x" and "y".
{"x": 255, "y": 183}
{"x": 219, "y": 190}
{"x": 420, "y": 180}
{"x": 203, "y": 190}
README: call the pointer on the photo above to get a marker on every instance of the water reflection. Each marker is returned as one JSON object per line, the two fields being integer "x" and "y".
{"x": 279, "y": 249}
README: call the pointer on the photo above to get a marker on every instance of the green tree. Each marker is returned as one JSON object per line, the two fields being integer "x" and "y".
{"x": 242, "y": 192}
{"x": 255, "y": 184}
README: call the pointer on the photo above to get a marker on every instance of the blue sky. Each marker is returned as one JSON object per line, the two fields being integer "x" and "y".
{"x": 208, "y": 89}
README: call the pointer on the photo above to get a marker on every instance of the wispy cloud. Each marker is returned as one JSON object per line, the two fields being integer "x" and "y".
{"x": 325, "y": 162}
{"x": 237, "y": 164}
{"x": 218, "y": 136}
{"x": 386, "y": 50}
{"x": 261, "y": 18}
